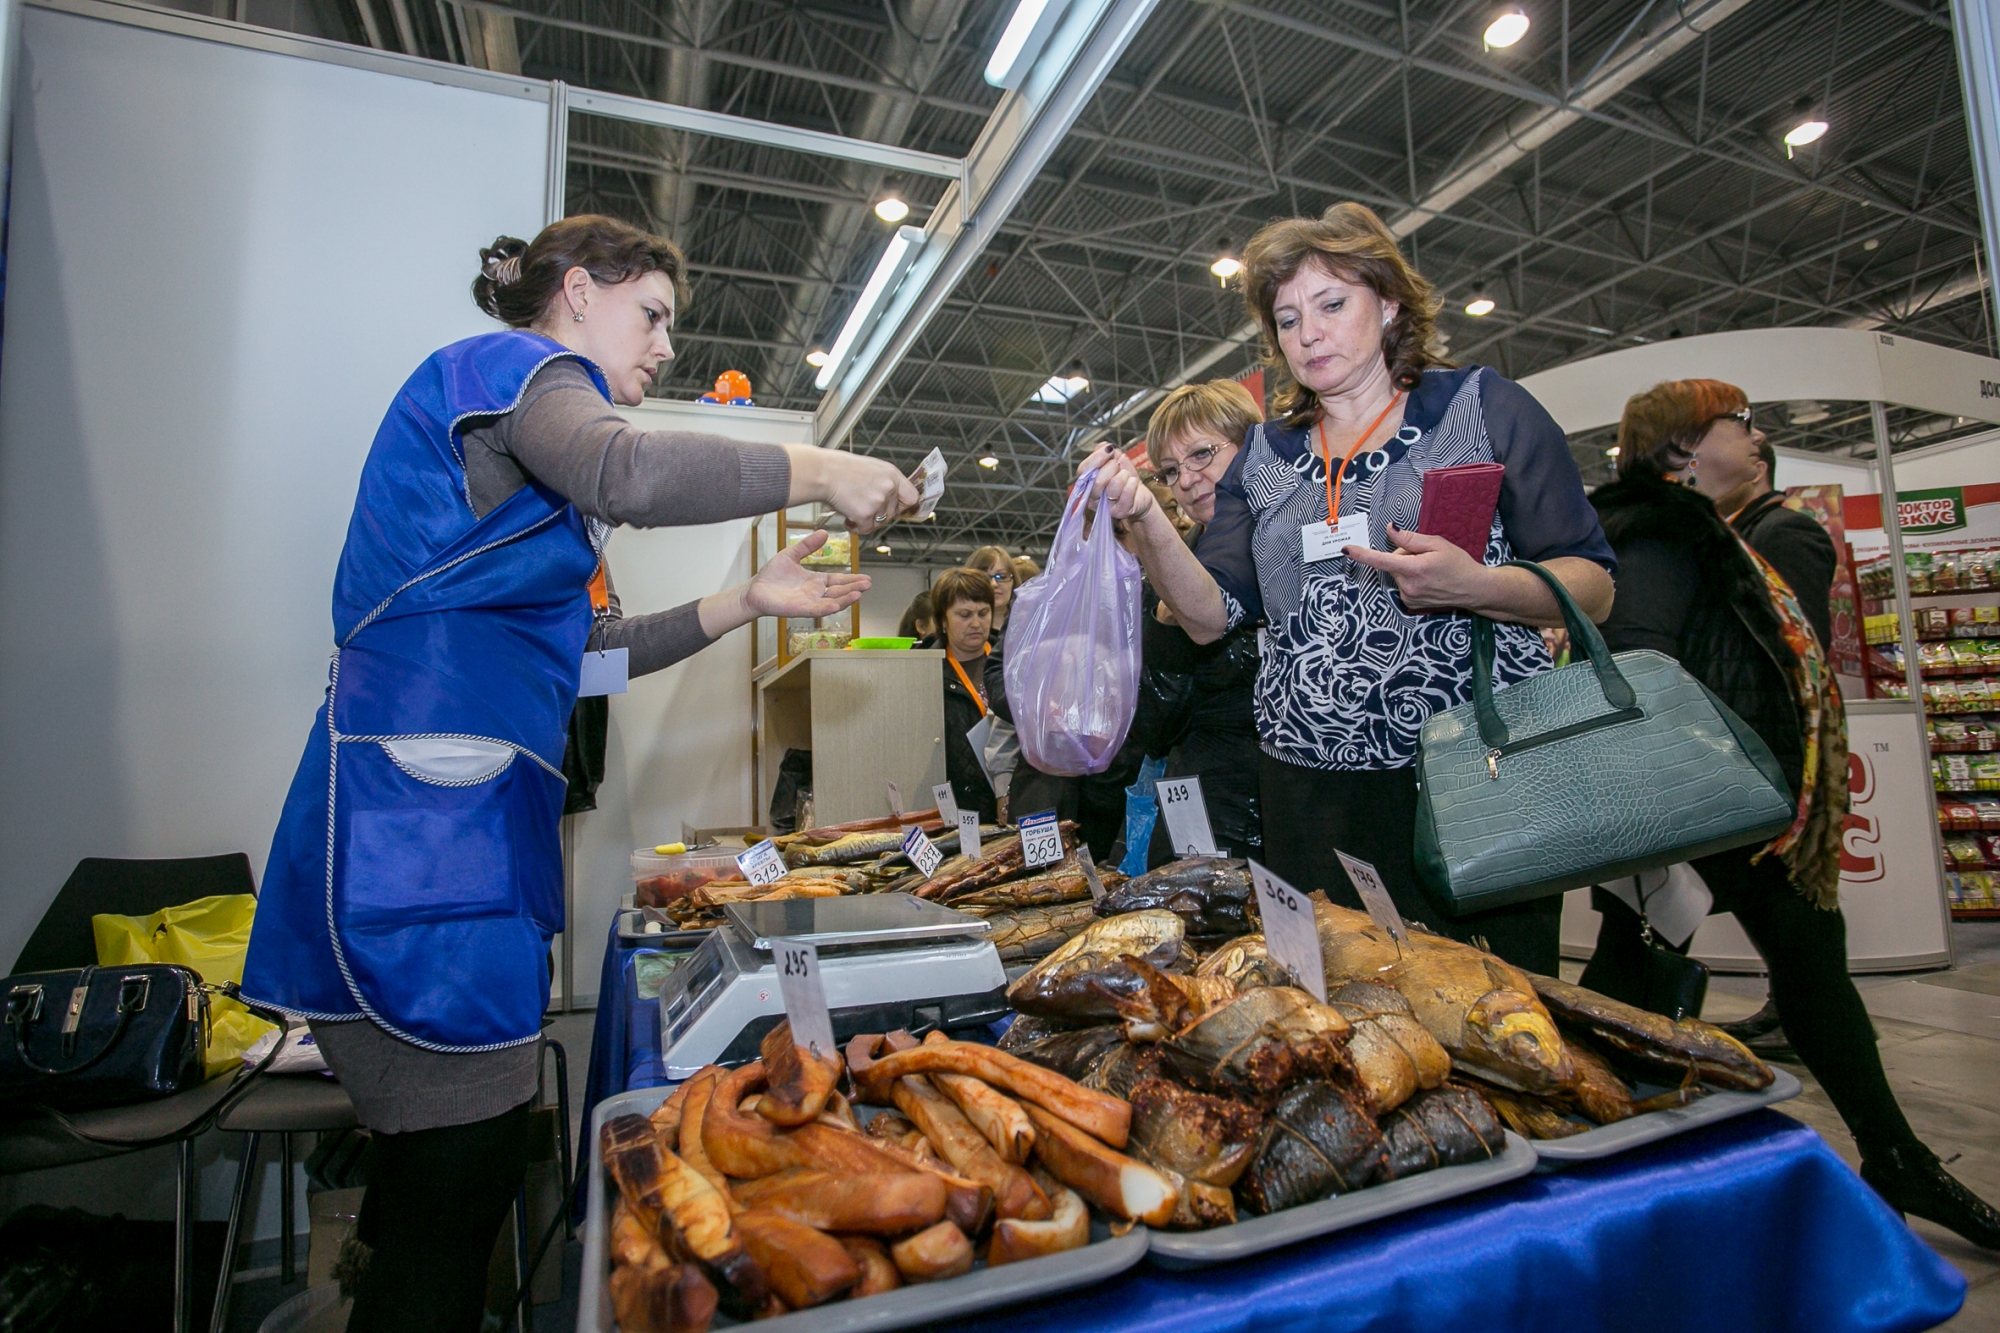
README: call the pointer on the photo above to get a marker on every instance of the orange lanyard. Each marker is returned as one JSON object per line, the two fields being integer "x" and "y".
{"x": 1335, "y": 476}
{"x": 977, "y": 697}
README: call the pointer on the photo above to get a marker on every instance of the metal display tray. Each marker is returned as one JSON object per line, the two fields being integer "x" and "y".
{"x": 1609, "y": 1140}
{"x": 632, "y": 920}
{"x": 981, "y": 1289}
{"x": 1198, "y": 1249}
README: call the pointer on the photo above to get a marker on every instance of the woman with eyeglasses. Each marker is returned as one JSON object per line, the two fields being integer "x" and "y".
{"x": 1701, "y": 592}
{"x": 998, "y": 566}
{"x": 1369, "y": 622}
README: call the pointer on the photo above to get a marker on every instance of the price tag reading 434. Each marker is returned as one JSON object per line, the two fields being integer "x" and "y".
{"x": 1289, "y": 932}
{"x": 762, "y": 864}
{"x": 923, "y": 853}
{"x": 1041, "y": 839}
{"x": 804, "y": 996}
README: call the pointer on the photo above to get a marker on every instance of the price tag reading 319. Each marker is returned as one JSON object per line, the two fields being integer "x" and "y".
{"x": 1289, "y": 931}
{"x": 762, "y": 864}
{"x": 804, "y": 996}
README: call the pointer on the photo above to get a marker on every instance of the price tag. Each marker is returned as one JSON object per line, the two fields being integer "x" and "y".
{"x": 1289, "y": 932}
{"x": 799, "y": 986}
{"x": 1375, "y": 897}
{"x": 1186, "y": 814}
{"x": 923, "y": 853}
{"x": 947, "y": 802}
{"x": 1041, "y": 839}
{"x": 1090, "y": 876}
{"x": 762, "y": 864}
{"x": 895, "y": 800}
{"x": 968, "y": 833}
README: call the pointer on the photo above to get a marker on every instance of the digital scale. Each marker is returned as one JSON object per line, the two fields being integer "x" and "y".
{"x": 887, "y": 961}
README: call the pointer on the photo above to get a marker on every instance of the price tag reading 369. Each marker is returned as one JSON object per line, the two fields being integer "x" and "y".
{"x": 804, "y": 995}
{"x": 1289, "y": 932}
{"x": 1041, "y": 839}
{"x": 762, "y": 864}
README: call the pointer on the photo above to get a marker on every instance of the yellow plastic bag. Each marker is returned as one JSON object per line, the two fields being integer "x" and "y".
{"x": 211, "y": 936}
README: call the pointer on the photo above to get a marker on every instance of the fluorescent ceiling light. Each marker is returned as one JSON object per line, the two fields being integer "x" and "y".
{"x": 1022, "y": 40}
{"x": 816, "y": 358}
{"x": 989, "y": 461}
{"x": 1226, "y": 267}
{"x": 896, "y": 259}
{"x": 891, "y": 209}
{"x": 881, "y": 550}
{"x": 1507, "y": 29}
{"x": 1479, "y": 306}
{"x": 1612, "y": 452}
{"x": 1809, "y": 130}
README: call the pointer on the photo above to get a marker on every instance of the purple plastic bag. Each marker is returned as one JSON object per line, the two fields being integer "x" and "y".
{"x": 1073, "y": 647}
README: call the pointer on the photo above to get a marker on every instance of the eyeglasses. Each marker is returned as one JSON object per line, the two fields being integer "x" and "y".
{"x": 1682, "y": 455}
{"x": 1743, "y": 416}
{"x": 1196, "y": 461}
{"x": 1005, "y": 577}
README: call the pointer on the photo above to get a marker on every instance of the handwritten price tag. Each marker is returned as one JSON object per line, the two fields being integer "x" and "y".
{"x": 895, "y": 800}
{"x": 1090, "y": 876}
{"x": 946, "y": 801}
{"x": 1041, "y": 839}
{"x": 1186, "y": 813}
{"x": 804, "y": 994}
{"x": 1289, "y": 932}
{"x": 762, "y": 864}
{"x": 923, "y": 853}
{"x": 1375, "y": 897}
{"x": 968, "y": 833}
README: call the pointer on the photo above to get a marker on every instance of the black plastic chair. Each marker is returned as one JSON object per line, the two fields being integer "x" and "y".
{"x": 33, "y": 1141}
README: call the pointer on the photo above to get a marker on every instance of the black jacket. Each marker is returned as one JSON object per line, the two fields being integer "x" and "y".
{"x": 1197, "y": 704}
{"x": 1687, "y": 589}
{"x": 1799, "y": 549}
{"x": 962, "y": 764}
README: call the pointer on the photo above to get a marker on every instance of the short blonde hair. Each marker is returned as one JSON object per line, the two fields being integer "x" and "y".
{"x": 1349, "y": 241}
{"x": 1220, "y": 407}
{"x": 990, "y": 558}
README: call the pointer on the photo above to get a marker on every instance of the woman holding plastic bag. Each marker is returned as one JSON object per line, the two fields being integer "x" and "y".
{"x": 1368, "y": 625}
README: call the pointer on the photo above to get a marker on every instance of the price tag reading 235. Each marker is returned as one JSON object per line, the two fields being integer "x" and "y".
{"x": 1289, "y": 932}
{"x": 804, "y": 996}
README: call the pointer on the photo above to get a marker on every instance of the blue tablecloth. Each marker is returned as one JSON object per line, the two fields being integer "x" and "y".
{"x": 1752, "y": 1224}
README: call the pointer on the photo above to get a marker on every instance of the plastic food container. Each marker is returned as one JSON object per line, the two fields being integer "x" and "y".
{"x": 658, "y": 878}
{"x": 878, "y": 642}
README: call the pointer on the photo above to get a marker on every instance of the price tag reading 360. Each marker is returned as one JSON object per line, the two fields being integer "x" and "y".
{"x": 804, "y": 996}
{"x": 923, "y": 853}
{"x": 1041, "y": 839}
{"x": 1289, "y": 932}
{"x": 762, "y": 864}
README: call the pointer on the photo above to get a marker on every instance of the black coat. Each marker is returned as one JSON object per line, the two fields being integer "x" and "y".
{"x": 1800, "y": 550}
{"x": 962, "y": 765}
{"x": 1197, "y": 705}
{"x": 1687, "y": 589}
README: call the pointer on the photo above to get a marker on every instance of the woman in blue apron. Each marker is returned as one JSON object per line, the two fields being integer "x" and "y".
{"x": 416, "y": 876}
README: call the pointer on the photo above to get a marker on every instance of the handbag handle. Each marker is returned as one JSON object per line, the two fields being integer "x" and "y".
{"x": 24, "y": 1006}
{"x": 1617, "y": 690}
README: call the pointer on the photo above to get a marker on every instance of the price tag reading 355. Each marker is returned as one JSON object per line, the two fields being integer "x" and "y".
{"x": 923, "y": 853}
{"x": 804, "y": 996}
{"x": 762, "y": 864}
{"x": 968, "y": 833}
{"x": 1289, "y": 932}
{"x": 1041, "y": 839}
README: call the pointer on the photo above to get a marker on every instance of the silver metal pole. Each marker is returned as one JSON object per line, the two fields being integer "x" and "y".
{"x": 555, "y": 203}
{"x": 1906, "y": 634}
{"x": 1976, "y": 26}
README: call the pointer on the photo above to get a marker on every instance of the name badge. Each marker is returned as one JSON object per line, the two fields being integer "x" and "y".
{"x": 604, "y": 673}
{"x": 1320, "y": 542}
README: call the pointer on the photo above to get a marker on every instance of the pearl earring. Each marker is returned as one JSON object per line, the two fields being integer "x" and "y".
{"x": 578, "y": 317}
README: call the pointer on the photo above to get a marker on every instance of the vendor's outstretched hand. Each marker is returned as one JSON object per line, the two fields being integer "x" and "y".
{"x": 785, "y": 587}
{"x": 1432, "y": 573}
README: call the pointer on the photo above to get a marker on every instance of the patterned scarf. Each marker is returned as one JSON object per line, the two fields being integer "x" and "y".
{"x": 1811, "y": 846}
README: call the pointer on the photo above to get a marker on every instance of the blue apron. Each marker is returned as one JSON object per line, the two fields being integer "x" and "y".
{"x": 416, "y": 875}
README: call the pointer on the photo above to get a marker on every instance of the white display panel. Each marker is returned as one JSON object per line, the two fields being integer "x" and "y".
{"x": 222, "y": 263}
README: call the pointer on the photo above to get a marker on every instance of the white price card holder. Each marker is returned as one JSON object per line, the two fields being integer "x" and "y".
{"x": 947, "y": 802}
{"x": 1090, "y": 875}
{"x": 968, "y": 833}
{"x": 608, "y": 672}
{"x": 923, "y": 853}
{"x": 804, "y": 994}
{"x": 762, "y": 864}
{"x": 1375, "y": 897}
{"x": 895, "y": 800}
{"x": 1289, "y": 932}
{"x": 1041, "y": 839}
{"x": 1186, "y": 813}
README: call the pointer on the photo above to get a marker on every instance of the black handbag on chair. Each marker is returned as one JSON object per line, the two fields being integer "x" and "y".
{"x": 97, "y": 1036}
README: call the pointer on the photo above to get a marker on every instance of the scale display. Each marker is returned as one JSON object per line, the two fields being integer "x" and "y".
{"x": 917, "y": 968}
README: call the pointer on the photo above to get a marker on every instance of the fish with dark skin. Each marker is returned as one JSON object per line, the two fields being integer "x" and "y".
{"x": 1080, "y": 982}
{"x": 1069, "y": 1053}
{"x": 1446, "y": 1126}
{"x": 1652, "y": 1044}
{"x": 1031, "y": 934}
{"x": 1064, "y": 883}
{"x": 1261, "y": 1043}
{"x": 1211, "y": 895}
{"x": 1318, "y": 1142}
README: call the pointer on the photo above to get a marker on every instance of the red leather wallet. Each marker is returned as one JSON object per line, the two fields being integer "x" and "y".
{"x": 1458, "y": 504}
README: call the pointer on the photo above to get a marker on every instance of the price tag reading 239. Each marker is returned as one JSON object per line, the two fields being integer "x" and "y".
{"x": 804, "y": 996}
{"x": 1289, "y": 932}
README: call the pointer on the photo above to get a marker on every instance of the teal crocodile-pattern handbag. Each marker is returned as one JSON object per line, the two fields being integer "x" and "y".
{"x": 1602, "y": 768}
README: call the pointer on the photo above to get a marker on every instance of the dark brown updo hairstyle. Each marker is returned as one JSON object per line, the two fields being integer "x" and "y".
{"x": 1659, "y": 429}
{"x": 518, "y": 279}
{"x": 1349, "y": 241}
